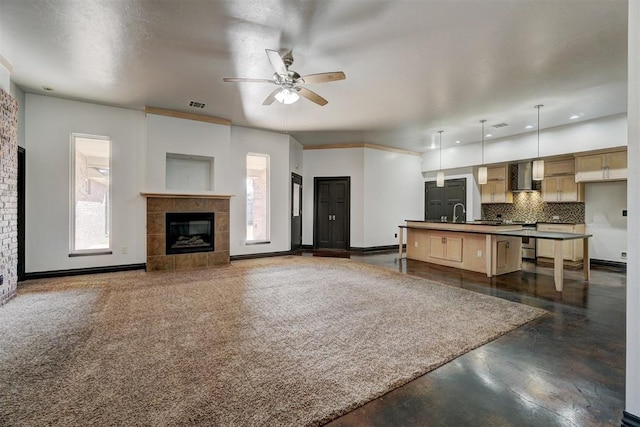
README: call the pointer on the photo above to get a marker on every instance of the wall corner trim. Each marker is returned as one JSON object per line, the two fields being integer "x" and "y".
{"x": 187, "y": 116}
{"x": 361, "y": 145}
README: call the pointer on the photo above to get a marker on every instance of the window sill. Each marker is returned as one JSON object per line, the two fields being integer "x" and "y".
{"x": 77, "y": 254}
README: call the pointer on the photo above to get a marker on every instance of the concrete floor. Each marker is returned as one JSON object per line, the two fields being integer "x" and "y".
{"x": 563, "y": 369}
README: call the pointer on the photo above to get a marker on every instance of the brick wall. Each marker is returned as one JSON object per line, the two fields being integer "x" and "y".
{"x": 8, "y": 196}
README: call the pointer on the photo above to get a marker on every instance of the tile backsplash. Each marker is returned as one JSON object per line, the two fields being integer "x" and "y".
{"x": 529, "y": 207}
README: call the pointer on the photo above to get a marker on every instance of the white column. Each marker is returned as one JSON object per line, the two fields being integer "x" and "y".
{"x": 632, "y": 405}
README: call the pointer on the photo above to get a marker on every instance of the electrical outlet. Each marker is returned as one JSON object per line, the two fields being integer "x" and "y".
{"x": 479, "y": 254}
{"x": 623, "y": 255}
{"x": 395, "y": 235}
{"x": 415, "y": 244}
{"x": 1, "y": 279}
{"x": 556, "y": 217}
{"x": 125, "y": 250}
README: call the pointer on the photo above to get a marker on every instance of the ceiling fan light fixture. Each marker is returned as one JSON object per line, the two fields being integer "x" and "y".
{"x": 287, "y": 96}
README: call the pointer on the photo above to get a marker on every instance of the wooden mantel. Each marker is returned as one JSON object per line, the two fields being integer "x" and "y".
{"x": 182, "y": 195}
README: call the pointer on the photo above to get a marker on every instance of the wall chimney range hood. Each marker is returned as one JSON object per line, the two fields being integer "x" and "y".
{"x": 522, "y": 178}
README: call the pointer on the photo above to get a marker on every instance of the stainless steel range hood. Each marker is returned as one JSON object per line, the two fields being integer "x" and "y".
{"x": 522, "y": 178}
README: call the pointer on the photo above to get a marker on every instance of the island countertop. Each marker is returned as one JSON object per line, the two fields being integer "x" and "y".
{"x": 493, "y": 231}
{"x": 485, "y": 227}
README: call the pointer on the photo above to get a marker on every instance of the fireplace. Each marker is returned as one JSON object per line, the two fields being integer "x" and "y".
{"x": 189, "y": 232}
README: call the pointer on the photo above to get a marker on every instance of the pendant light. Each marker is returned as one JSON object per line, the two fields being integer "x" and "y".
{"x": 440, "y": 175}
{"x": 482, "y": 170}
{"x": 538, "y": 165}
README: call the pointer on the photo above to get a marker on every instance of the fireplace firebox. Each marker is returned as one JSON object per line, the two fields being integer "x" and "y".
{"x": 189, "y": 232}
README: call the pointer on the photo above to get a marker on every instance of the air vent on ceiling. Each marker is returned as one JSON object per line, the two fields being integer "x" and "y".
{"x": 500, "y": 125}
{"x": 196, "y": 104}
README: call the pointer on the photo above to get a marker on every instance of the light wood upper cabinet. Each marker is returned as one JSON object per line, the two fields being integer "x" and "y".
{"x": 609, "y": 166}
{"x": 559, "y": 184}
{"x": 497, "y": 188}
{"x": 559, "y": 167}
{"x": 562, "y": 189}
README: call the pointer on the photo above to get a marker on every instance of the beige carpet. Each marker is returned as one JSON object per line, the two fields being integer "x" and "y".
{"x": 289, "y": 341}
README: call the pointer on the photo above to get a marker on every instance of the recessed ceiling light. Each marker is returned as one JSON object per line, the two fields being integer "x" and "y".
{"x": 48, "y": 88}
{"x": 458, "y": 142}
{"x": 575, "y": 116}
{"x": 488, "y": 135}
{"x": 433, "y": 145}
{"x": 528, "y": 127}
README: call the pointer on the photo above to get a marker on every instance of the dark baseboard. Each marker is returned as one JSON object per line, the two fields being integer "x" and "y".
{"x": 374, "y": 249}
{"x": 629, "y": 420}
{"x": 79, "y": 271}
{"x": 260, "y": 255}
{"x": 361, "y": 251}
{"x": 616, "y": 266}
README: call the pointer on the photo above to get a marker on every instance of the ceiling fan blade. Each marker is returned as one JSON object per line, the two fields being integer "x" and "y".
{"x": 272, "y": 97}
{"x": 276, "y": 61}
{"x": 311, "y": 96}
{"x": 243, "y": 80}
{"x": 323, "y": 77}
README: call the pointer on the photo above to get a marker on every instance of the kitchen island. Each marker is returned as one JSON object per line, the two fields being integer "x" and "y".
{"x": 482, "y": 246}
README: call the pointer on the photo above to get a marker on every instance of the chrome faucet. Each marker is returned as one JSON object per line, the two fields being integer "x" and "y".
{"x": 464, "y": 211}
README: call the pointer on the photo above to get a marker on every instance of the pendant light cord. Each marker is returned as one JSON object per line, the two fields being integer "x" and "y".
{"x": 482, "y": 136}
{"x": 440, "y": 132}
{"x": 538, "y": 108}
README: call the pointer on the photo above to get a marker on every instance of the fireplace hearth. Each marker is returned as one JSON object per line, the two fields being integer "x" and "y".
{"x": 189, "y": 232}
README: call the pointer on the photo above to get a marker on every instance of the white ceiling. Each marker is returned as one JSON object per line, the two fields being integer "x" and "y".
{"x": 412, "y": 67}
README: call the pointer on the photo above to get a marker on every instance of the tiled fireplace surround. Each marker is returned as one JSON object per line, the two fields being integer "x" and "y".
{"x": 157, "y": 207}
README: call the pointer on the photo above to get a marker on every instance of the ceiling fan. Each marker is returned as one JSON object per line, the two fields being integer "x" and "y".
{"x": 289, "y": 81}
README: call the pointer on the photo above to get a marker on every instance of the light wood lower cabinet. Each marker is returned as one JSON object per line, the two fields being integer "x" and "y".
{"x": 572, "y": 250}
{"x": 505, "y": 258}
{"x": 446, "y": 247}
{"x": 466, "y": 251}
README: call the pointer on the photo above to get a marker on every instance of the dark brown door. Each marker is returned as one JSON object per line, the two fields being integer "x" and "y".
{"x": 331, "y": 213}
{"x": 433, "y": 201}
{"x": 21, "y": 212}
{"x": 296, "y": 212}
{"x": 439, "y": 201}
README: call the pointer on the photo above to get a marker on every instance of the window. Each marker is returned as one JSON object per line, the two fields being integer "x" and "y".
{"x": 257, "y": 198}
{"x": 90, "y": 209}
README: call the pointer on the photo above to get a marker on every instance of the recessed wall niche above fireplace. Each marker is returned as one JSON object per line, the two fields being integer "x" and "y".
{"x": 189, "y": 232}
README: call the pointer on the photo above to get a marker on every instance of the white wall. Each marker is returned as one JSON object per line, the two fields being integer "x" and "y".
{"x": 604, "y": 202}
{"x": 179, "y": 136}
{"x": 18, "y": 94}
{"x": 296, "y": 157}
{"x": 328, "y": 163}
{"x": 605, "y": 132}
{"x": 393, "y": 193}
{"x": 5, "y": 74}
{"x": 49, "y": 123}
{"x": 632, "y": 395}
{"x": 276, "y": 145}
